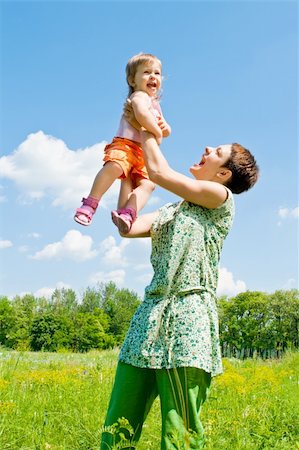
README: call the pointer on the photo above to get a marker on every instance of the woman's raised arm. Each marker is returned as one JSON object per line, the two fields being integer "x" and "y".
{"x": 209, "y": 194}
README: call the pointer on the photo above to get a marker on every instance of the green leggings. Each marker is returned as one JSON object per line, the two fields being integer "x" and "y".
{"x": 182, "y": 391}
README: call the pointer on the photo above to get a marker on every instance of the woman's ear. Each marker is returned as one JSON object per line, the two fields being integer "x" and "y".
{"x": 224, "y": 174}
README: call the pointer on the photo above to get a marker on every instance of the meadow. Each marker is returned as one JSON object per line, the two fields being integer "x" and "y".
{"x": 58, "y": 401}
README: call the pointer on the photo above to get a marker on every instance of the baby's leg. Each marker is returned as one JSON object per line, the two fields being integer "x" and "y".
{"x": 140, "y": 195}
{"x": 126, "y": 188}
{"x": 131, "y": 203}
{"x": 102, "y": 182}
{"x": 105, "y": 178}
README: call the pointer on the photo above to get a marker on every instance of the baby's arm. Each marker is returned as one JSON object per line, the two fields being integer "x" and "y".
{"x": 139, "y": 102}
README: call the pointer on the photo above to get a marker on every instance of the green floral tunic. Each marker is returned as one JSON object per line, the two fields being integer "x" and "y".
{"x": 177, "y": 323}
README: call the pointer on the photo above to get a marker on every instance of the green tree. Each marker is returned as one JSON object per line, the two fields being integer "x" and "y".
{"x": 25, "y": 309}
{"x": 92, "y": 300}
{"x": 89, "y": 333}
{"x": 49, "y": 332}
{"x": 255, "y": 322}
{"x": 64, "y": 301}
{"x": 119, "y": 305}
{"x": 7, "y": 322}
{"x": 285, "y": 318}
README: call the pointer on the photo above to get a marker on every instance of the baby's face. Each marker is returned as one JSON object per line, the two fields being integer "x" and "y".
{"x": 148, "y": 78}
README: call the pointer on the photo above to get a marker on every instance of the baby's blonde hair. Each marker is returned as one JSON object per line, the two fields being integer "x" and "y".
{"x": 134, "y": 62}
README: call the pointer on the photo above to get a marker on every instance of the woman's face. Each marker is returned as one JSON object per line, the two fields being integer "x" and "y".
{"x": 212, "y": 160}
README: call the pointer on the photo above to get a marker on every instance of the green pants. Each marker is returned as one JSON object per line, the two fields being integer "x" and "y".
{"x": 182, "y": 391}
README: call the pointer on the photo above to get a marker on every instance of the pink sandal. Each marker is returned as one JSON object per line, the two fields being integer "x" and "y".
{"x": 123, "y": 218}
{"x": 85, "y": 213}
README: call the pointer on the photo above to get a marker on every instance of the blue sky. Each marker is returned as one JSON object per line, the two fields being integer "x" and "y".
{"x": 230, "y": 75}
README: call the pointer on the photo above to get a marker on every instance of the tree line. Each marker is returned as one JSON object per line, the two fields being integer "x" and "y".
{"x": 99, "y": 320}
{"x": 251, "y": 323}
{"x": 259, "y": 324}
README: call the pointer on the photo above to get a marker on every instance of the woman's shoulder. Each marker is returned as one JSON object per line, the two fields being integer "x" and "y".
{"x": 225, "y": 211}
{"x": 223, "y": 216}
{"x": 228, "y": 204}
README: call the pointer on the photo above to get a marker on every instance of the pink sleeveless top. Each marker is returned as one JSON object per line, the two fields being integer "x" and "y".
{"x": 125, "y": 130}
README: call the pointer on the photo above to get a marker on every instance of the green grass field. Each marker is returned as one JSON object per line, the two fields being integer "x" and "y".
{"x": 58, "y": 402}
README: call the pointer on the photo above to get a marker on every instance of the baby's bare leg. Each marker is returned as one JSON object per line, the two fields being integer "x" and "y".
{"x": 131, "y": 202}
{"x": 126, "y": 188}
{"x": 140, "y": 195}
{"x": 105, "y": 178}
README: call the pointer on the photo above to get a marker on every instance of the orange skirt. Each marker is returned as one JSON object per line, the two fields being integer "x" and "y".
{"x": 128, "y": 154}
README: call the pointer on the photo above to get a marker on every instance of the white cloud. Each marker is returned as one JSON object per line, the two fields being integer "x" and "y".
{"x": 2, "y": 197}
{"x": 137, "y": 253}
{"x": 48, "y": 291}
{"x": 145, "y": 278}
{"x": 117, "y": 276}
{"x": 34, "y": 235}
{"x": 227, "y": 285}
{"x": 127, "y": 257}
{"x": 23, "y": 248}
{"x": 112, "y": 254}
{"x": 287, "y": 212}
{"x": 290, "y": 284}
{"x": 154, "y": 200}
{"x": 21, "y": 294}
{"x": 43, "y": 166}
{"x": 145, "y": 241}
{"x": 44, "y": 292}
{"x": 73, "y": 245}
{"x": 5, "y": 244}
{"x": 142, "y": 266}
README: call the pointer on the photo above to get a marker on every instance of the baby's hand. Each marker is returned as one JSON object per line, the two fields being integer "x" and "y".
{"x": 165, "y": 128}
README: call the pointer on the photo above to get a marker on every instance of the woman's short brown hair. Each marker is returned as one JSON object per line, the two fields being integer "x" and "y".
{"x": 244, "y": 168}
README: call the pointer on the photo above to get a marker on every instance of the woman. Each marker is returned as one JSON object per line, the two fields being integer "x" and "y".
{"x": 172, "y": 347}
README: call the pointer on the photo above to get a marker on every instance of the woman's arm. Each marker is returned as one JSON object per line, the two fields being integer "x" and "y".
{"x": 142, "y": 225}
{"x": 205, "y": 193}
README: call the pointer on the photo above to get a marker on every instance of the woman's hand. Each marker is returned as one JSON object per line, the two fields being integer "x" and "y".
{"x": 128, "y": 112}
{"x": 129, "y": 115}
